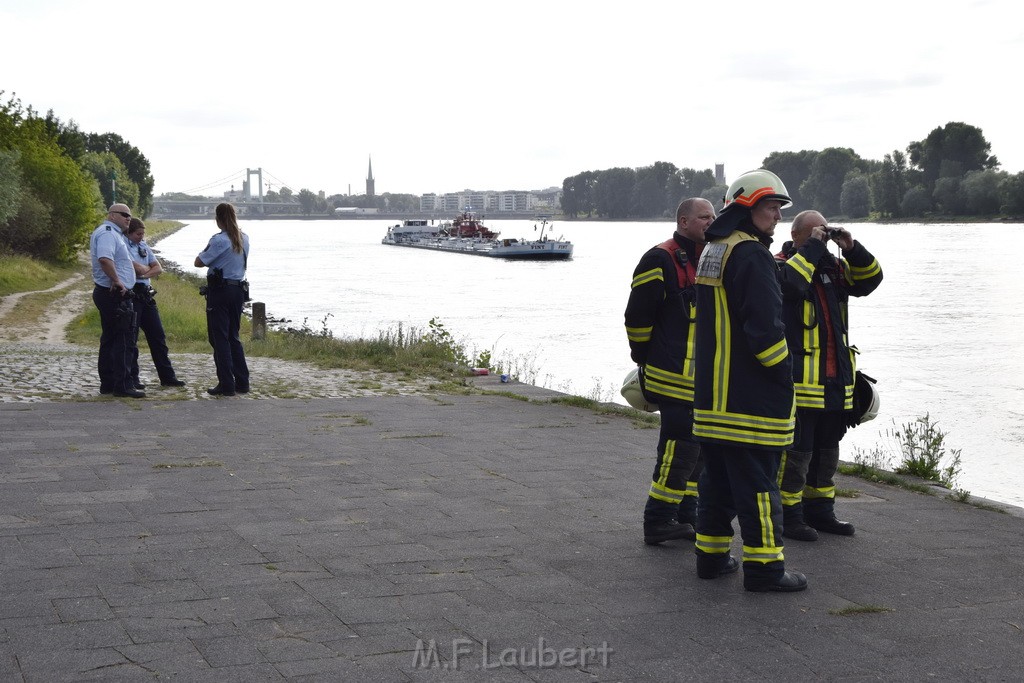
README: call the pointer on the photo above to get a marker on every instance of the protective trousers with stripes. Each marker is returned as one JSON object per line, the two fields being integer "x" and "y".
{"x": 678, "y": 466}
{"x": 742, "y": 482}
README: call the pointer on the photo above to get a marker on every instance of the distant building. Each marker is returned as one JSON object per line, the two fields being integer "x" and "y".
{"x": 720, "y": 174}
{"x": 512, "y": 201}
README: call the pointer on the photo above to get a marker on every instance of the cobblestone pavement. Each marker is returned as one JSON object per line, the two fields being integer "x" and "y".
{"x": 37, "y": 365}
{"x": 39, "y": 372}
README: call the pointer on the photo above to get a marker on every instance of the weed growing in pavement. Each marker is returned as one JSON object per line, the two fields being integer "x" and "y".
{"x": 922, "y": 446}
{"x": 858, "y": 609}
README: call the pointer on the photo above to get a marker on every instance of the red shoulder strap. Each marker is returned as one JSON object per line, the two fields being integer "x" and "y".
{"x": 686, "y": 274}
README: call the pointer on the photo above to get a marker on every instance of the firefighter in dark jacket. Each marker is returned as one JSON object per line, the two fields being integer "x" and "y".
{"x": 744, "y": 405}
{"x": 659, "y": 325}
{"x": 815, "y": 288}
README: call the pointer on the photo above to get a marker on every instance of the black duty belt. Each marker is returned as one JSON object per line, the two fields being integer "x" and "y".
{"x": 232, "y": 282}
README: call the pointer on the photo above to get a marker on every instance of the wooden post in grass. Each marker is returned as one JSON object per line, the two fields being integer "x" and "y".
{"x": 259, "y": 320}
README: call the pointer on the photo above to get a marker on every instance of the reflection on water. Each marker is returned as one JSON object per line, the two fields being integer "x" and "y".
{"x": 940, "y": 334}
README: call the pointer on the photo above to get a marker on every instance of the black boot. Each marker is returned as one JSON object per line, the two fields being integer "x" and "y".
{"x": 711, "y": 566}
{"x": 661, "y": 523}
{"x": 793, "y": 525}
{"x": 789, "y": 582}
{"x": 667, "y": 530}
{"x": 822, "y": 516}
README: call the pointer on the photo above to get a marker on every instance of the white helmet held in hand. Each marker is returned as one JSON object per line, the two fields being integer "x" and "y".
{"x": 633, "y": 393}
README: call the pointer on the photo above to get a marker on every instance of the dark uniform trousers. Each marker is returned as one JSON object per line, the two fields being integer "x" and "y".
{"x": 153, "y": 328}
{"x": 117, "y": 341}
{"x": 810, "y": 478}
{"x": 674, "y": 478}
{"x": 223, "y": 317}
{"x": 741, "y": 480}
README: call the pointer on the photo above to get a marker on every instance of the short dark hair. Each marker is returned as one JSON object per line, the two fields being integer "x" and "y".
{"x": 135, "y": 224}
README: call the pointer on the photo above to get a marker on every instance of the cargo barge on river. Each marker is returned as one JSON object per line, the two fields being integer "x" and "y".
{"x": 468, "y": 235}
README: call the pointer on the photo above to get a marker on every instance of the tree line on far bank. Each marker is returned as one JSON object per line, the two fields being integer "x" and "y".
{"x": 56, "y": 182}
{"x": 949, "y": 173}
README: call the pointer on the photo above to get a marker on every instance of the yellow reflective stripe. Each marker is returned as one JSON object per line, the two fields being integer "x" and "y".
{"x": 666, "y": 461}
{"x": 671, "y": 384}
{"x": 802, "y": 266}
{"x": 865, "y": 272}
{"x": 764, "y": 518}
{"x": 778, "y": 441}
{"x": 661, "y": 492}
{"x": 812, "y": 356}
{"x": 715, "y": 545}
{"x": 689, "y": 369}
{"x": 652, "y": 372}
{"x": 810, "y": 396}
{"x": 827, "y": 492}
{"x": 649, "y": 276}
{"x": 789, "y": 499}
{"x": 774, "y": 354}
{"x": 763, "y": 555}
{"x": 691, "y": 489}
{"x": 723, "y": 344}
{"x": 639, "y": 334}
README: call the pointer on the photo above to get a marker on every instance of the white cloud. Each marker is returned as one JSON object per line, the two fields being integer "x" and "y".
{"x": 451, "y": 95}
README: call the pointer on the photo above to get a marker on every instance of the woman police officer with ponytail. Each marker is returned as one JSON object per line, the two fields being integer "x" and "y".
{"x": 227, "y": 291}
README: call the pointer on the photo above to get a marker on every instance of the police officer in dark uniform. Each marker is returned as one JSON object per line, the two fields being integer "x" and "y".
{"x": 227, "y": 290}
{"x": 113, "y": 275}
{"x": 659, "y": 326}
{"x": 147, "y": 266}
{"x": 744, "y": 403}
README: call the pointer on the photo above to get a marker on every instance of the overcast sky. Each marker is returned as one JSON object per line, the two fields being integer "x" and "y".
{"x": 454, "y": 94}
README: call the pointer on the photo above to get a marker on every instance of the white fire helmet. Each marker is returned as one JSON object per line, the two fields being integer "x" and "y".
{"x": 867, "y": 397}
{"x": 753, "y": 186}
{"x": 633, "y": 394}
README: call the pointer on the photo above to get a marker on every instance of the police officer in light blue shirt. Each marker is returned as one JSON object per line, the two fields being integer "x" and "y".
{"x": 113, "y": 274}
{"x": 226, "y": 257}
{"x": 147, "y": 265}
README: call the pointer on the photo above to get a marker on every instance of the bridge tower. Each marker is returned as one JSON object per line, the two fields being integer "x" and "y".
{"x": 248, "y": 187}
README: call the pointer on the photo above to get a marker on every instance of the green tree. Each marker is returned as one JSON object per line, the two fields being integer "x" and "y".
{"x": 613, "y": 190}
{"x": 1011, "y": 193}
{"x": 981, "y": 192}
{"x": 10, "y": 184}
{"x": 307, "y": 200}
{"x": 793, "y": 168}
{"x": 889, "y": 184}
{"x": 947, "y": 198}
{"x": 823, "y": 187}
{"x": 951, "y": 150}
{"x": 855, "y": 199}
{"x": 135, "y": 163}
{"x": 105, "y": 166}
{"x": 62, "y": 201}
{"x": 650, "y": 190}
{"x": 578, "y": 195}
{"x": 916, "y": 202}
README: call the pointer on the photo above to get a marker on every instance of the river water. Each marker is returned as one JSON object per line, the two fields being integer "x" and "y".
{"x": 940, "y": 334}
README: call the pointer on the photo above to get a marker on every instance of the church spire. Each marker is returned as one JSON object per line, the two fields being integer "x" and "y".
{"x": 369, "y": 180}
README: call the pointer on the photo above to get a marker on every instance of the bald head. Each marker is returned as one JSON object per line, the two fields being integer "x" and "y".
{"x": 693, "y": 216}
{"x": 802, "y": 225}
{"x": 120, "y": 215}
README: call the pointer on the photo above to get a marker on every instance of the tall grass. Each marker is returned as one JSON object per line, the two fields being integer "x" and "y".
{"x": 26, "y": 274}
